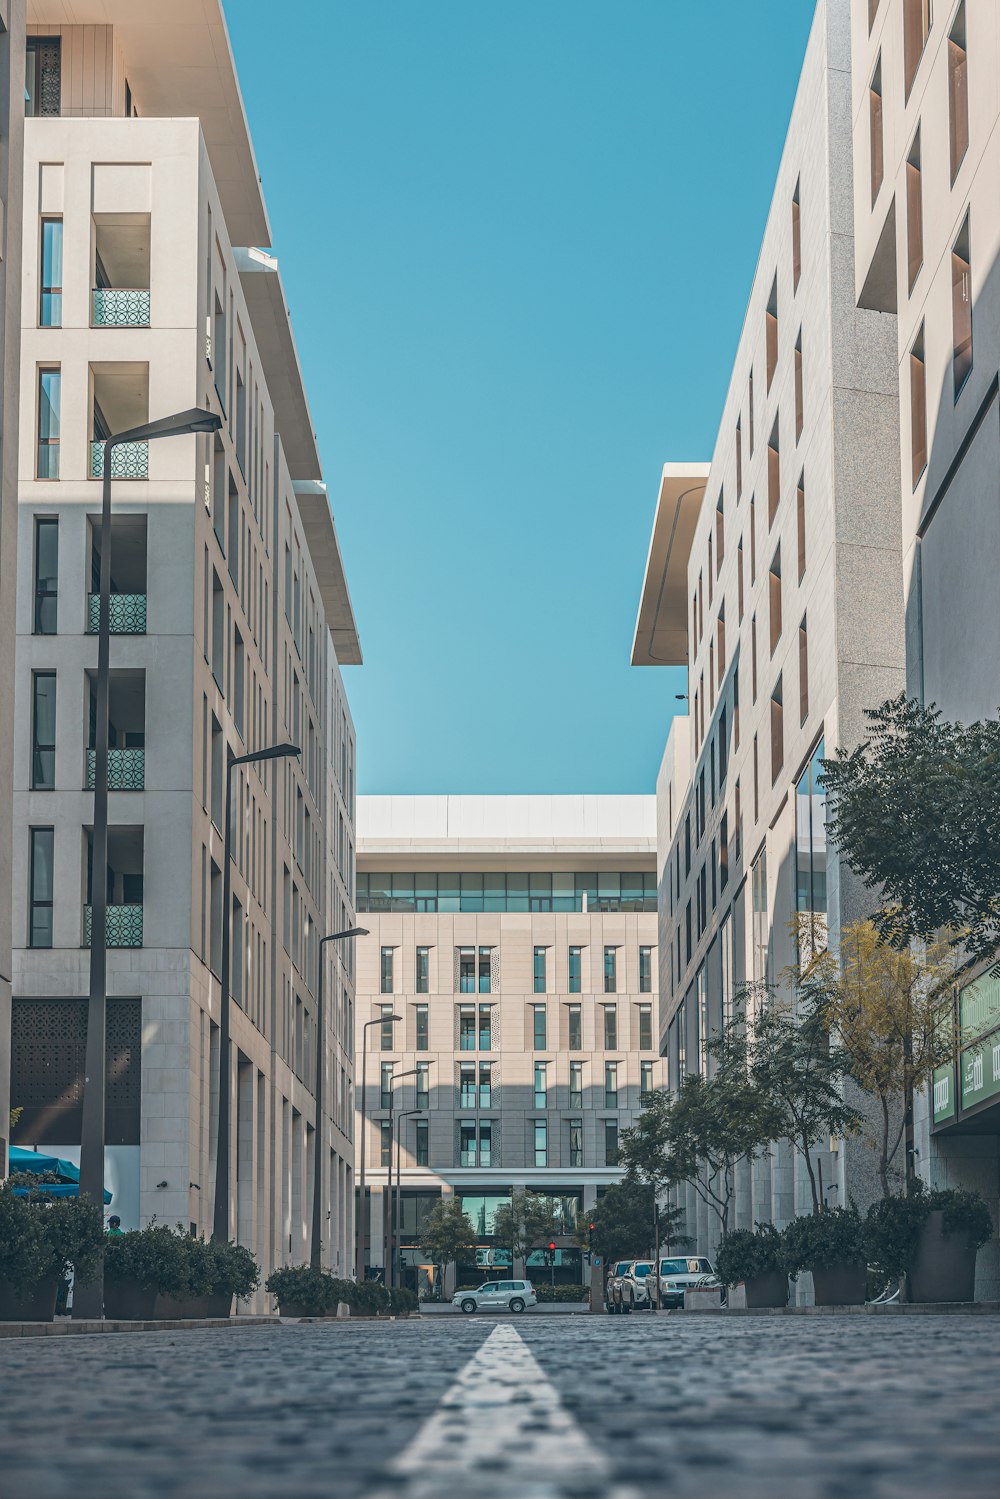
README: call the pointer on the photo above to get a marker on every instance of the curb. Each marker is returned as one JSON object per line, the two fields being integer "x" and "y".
{"x": 906, "y": 1309}
{"x": 66, "y": 1327}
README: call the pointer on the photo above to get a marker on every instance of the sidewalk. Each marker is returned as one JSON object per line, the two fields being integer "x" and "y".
{"x": 65, "y": 1326}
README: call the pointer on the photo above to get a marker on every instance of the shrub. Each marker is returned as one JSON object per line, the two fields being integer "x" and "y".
{"x": 819, "y": 1241}
{"x": 894, "y": 1224}
{"x": 43, "y": 1238}
{"x": 233, "y": 1270}
{"x": 161, "y": 1259}
{"x": 746, "y": 1253}
{"x": 366, "y": 1296}
{"x": 314, "y": 1291}
{"x": 402, "y": 1299}
{"x": 562, "y": 1293}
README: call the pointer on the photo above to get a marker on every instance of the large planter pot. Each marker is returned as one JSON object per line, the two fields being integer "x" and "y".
{"x": 944, "y": 1268}
{"x": 128, "y": 1301}
{"x": 300, "y": 1309}
{"x": 220, "y": 1304}
{"x": 840, "y": 1285}
{"x": 36, "y": 1305}
{"x": 766, "y": 1290}
{"x": 180, "y": 1308}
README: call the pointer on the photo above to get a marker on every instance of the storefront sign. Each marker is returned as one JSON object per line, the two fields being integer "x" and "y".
{"x": 944, "y": 1093}
{"x": 979, "y": 1070}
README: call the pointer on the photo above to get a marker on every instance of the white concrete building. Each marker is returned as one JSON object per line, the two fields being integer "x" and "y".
{"x": 515, "y": 937}
{"x": 230, "y": 619}
{"x": 774, "y": 576}
{"x": 926, "y": 110}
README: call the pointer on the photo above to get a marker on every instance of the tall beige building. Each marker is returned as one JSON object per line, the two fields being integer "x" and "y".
{"x": 774, "y": 578}
{"x": 146, "y": 293}
{"x": 515, "y": 939}
{"x": 926, "y": 110}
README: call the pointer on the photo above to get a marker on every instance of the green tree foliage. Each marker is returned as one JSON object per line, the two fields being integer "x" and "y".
{"x": 447, "y": 1234}
{"x": 625, "y": 1224}
{"x": 913, "y": 809}
{"x": 525, "y": 1223}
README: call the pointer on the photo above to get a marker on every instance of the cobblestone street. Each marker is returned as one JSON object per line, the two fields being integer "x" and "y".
{"x": 828, "y": 1406}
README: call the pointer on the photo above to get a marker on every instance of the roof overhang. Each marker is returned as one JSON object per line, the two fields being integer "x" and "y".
{"x": 272, "y": 330}
{"x": 661, "y": 626}
{"x": 324, "y": 549}
{"x": 180, "y": 64}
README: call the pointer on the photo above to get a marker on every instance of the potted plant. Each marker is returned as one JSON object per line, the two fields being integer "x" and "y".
{"x": 749, "y": 1262}
{"x": 41, "y": 1240}
{"x": 234, "y": 1272}
{"x": 302, "y": 1291}
{"x": 932, "y": 1238}
{"x": 831, "y": 1245}
{"x": 154, "y": 1274}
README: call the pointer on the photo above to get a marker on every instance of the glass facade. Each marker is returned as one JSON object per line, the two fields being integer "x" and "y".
{"x": 49, "y": 408}
{"x": 810, "y": 843}
{"x": 50, "y": 296}
{"x": 379, "y": 892}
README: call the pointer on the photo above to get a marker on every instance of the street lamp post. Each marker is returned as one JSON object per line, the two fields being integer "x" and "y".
{"x": 317, "y": 1213}
{"x": 359, "y": 1268}
{"x": 220, "y": 1220}
{"x": 397, "y": 1270}
{"x": 88, "y": 1300}
{"x": 390, "y": 1234}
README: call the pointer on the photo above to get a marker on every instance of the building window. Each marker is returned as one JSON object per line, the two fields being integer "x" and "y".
{"x": 611, "y": 1142}
{"x": 485, "y": 1142}
{"x": 800, "y": 522}
{"x": 773, "y": 474}
{"x": 876, "y": 143}
{"x": 914, "y": 213}
{"x": 575, "y": 970}
{"x": 958, "y": 92}
{"x": 810, "y": 823}
{"x": 753, "y": 659}
{"x": 541, "y": 1085}
{"x": 645, "y": 1027}
{"x": 49, "y": 404}
{"x": 803, "y": 672}
{"x": 422, "y": 1151}
{"x": 611, "y": 970}
{"x": 739, "y": 582}
{"x": 701, "y": 1013}
{"x": 485, "y": 1085}
{"x": 611, "y": 1085}
{"x": 918, "y": 409}
{"x": 40, "y": 910}
{"x": 467, "y": 1143}
{"x": 43, "y": 76}
{"x": 386, "y": 1037}
{"x": 720, "y": 532}
{"x": 739, "y": 461}
{"x": 385, "y": 1086}
{"x": 610, "y": 1027}
{"x": 422, "y": 1084}
{"x": 750, "y": 410}
{"x": 540, "y": 1131}
{"x": 467, "y": 1028}
{"x": 771, "y": 332}
{"x": 724, "y": 851}
{"x": 576, "y": 1085}
{"x": 539, "y": 970}
{"x": 474, "y": 970}
{"x": 574, "y": 1019}
{"x": 467, "y": 1086}
{"x": 575, "y": 1128}
{"x": 50, "y": 281}
{"x": 538, "y": 1027}
{"x": 774, "y": 599}
{"x": 645, "y": 1080}
{"x": 423, "y": 971}
{"x": 645, "y": 970}
{"x": 43, "y": 731}
{"x": 799, "y": 407}
{"x": 386, "y": 974}
{"x": 916, "y": 25}
{"x": 796, "y": 240}
{"x": 753, "y": 539}
{"x": 385, "y": 1143}
{"x": 756, "y": 781}
{"x": 961, "y": 307}
{"x": 46, "y": 575}
{"x": 777, "y": 732}
{"x": 421, "y": 1019}
{"x": 486, "y": 970}
{"x": 485, "y": 1028}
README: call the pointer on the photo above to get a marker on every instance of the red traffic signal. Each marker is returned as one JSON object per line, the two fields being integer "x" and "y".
{"x": 552, "y": 1245}
{"x": 591, "y": 1226}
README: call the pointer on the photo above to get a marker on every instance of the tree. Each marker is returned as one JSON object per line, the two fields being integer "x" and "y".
{"x": 702, "y": 1131}
{"x": 791, "y": 1062}
{"x": 913, "y": 809}
{"x": 525, "y": 1223}
{"x": 890, "y": 1011}
{"x": 447, "y": 1234}
{"x": 624, "y": 1221}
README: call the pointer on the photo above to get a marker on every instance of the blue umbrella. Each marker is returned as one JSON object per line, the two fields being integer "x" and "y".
{"x": 33, "y": 1160}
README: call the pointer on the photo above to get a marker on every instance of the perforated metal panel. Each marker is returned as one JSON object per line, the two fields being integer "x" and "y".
{"x": 48, "y": 1049}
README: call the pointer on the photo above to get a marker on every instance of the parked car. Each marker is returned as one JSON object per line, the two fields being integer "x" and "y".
{"x": 633, "y": 1285}
{"x": 613, "y": 1285}
{"x": 676, "y": 1275}
{"x": 514, "y": 1295}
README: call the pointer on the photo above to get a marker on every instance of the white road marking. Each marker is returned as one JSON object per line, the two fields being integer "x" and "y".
{"x": 502, "y": 1432}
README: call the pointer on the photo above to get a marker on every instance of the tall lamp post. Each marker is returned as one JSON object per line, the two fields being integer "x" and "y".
{"x": 317, "y": 1213}
{"x": 397, "y": 1270}
{"x": 220, "y": 1221}
{"x": 88, "y": 1300}
{"x": 390, "y": 1233}
{"x": 359, "y": 1268}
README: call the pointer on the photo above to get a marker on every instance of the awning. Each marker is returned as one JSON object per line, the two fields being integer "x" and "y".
{"x": 20, "y": 1159}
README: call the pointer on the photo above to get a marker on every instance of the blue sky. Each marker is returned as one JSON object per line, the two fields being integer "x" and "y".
{"x": 517, "y": 240}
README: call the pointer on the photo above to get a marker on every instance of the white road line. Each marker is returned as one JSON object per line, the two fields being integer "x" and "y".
{"x": 501, "y": 1432}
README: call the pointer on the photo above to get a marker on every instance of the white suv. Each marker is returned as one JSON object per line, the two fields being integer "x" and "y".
{"x": 677, "y": 1276}
{"x": 633, "y": 1285}
{"x": 515, "y": 1295}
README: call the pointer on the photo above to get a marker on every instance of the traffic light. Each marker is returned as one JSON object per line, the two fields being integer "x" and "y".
{"x": 552, "y": 1247}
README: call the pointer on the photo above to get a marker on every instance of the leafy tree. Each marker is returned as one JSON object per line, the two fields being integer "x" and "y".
{"x": 791, "y": 1062}
{"x": 624, "y": 1223}
{"x": 913, "y": 809}
{"x": 701, "y": 1132}
{"x": 890, "y": 1012}
{"x": 447, "y": 1234}
{"x": 526, "y": 1222}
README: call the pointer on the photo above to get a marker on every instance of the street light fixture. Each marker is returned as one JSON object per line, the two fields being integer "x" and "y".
{"x": 359, "y": 1267}
{"x": 397, "y": 1270}
{"x": 220, "y": 1221}
{"x": 317, "y": 1213}
{"x": 390, "y": 1225}
{"x": 88, "y": 1300}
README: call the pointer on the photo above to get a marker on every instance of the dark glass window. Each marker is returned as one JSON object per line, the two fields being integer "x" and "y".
{"x": 50, "y": 293}
{"x": 49, "y": 407}
{"x": 645, "y": 1027}
{"x": 386, "y": 970}
{"x": 575, "y": 1025}
{"x": 42, "y": 76}
{"x": 575, "y": 970}
{"x": 43, "y": 731}
{"x": 539, "y": 1027}
{"x": 46, "y": 575}
{"x": 40, "y": 911}
{"x": 611, "y": 970}
{"x": 539, "y": 970}
{"x": 421, "y": 1019}
{"x": 645, "y": 970}
{"x": 423, "y": 970}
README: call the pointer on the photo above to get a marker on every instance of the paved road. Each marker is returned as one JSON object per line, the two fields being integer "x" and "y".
{"x": 563, "y": 1408}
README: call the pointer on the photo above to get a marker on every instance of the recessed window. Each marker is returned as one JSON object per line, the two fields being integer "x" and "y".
{"x": 771, "y": 332}
{"x": 541, "y": 1141}
{"x": 575, "y": 1130}
{"x": 739, "y": 460}
{"x": 739, "y": 581}
{"x": 576, "y": 1085}
{"x": 773, "y": 474}
{"x": 914, "y": 213}
{"x": 386, "y": 966}
{"x": 753, "y": 659}
{"x": 720, "y": 532}
{"x": 645, "y": 970}
{"x": 539, "y": 1028}
{"x": 777, "y": 732}
{"x": 611, "y": 970}
{"x": 610, "y": 1027}
{"x": 575, "y": 970}
{"x": 803, "y": 672}
{"x": 611, "y": 1142}
{"x": 800, "y": 522}
{"x": 539, "y": 970}
{"x": 958, "y": 92}
{"x": 50, "y": 281}
{"x": 574, "y": 1029}
{"x": 385, "y": 1084}
{"x": 611, "y": 1085}
{"x": 876, "y": 130}
{"x": 799, "y": 409}
{"x": 753, "y": 539}
{"x": 43, "y": 731}
{"x": 423, "y": 970}
{"x": 961, "y": 307}
{"x": 43, "y": 76}
{"x": 421, "y": 1028}
{"x": 750, "y": 410}
{"x": 46, "y": 575}
{"x": 720, "y": 643}
{"x": 916, "y": 26}
{"x": 918, "y": 409}
{"x": 774, "y": 599}
{"x": 796, "y": 239}
{"x": 756, "y": 781}
{"x": 645, "y": 1027}
{"x": 386, "y": 1035}
{"x": 49, "y": 409}
{"x": 541, "y": 1085}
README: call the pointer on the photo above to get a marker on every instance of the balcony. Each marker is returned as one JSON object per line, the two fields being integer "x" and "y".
{"x": 127, "y": 614}
{"x": 126, "y": 769}
{"x": 123, "y": 926}
{"x": 130, "y": 460}
{"x": 119, "y": 307}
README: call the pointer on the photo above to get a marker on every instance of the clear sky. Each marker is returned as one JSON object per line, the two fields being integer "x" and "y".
{"x": 517, "y": 240}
